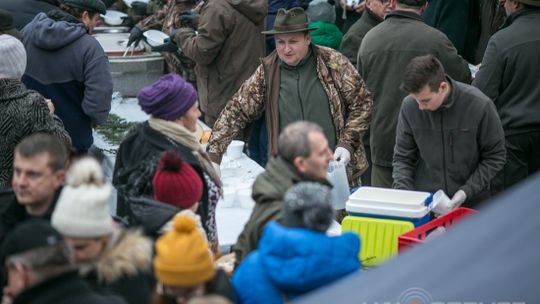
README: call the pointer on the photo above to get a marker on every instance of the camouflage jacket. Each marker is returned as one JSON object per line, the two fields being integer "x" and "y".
{"x": 350, "y": 106}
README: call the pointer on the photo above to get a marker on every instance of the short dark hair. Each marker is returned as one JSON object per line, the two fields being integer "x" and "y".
{"x": 77, "y": 11}
{"x": 38, "y": 143}
{"x": 421, "y": 71}
{"x": 294, "y": 140}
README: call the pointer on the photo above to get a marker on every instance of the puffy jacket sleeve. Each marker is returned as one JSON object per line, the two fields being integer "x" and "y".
{"x": 405, "y": 153}
{"x": 492, "y": 152}
{"x": 246, "y": 105}
{"x": 98, "y": 86}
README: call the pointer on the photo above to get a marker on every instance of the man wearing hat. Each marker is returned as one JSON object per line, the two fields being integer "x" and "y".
{"x": 41, "y": 269}
{"x": 300, "y": 81}
{"x": 509, "y": 76}
{"x": 69, "y": 66}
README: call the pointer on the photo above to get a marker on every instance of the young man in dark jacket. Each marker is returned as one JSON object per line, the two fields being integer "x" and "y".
{"x": 509, "y": 76}
{"x": 385, "y": 52}
{"x": 448, "y": 136}
{"x": 68, "y": 66}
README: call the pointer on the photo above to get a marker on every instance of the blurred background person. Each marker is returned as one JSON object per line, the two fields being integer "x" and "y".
{"x": 184, "y": 266}
{"x": 111, "y": 259}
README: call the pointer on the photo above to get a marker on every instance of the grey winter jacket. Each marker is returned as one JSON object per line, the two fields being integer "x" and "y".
{"x": 385, "y": 52}
{"x": 510, "y": 73}
{"x": 458, "y": 146}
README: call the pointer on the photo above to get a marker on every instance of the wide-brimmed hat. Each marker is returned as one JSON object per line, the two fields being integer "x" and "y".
{"x": 290, "y": 21}
{"x": 530, "y": 2}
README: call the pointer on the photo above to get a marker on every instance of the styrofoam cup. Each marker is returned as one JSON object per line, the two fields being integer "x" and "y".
{"x": 441, "y": 202}
{"x": 244, "y": 196}
{"x": 229, "y": 197}
{"x": 234, "y": 150}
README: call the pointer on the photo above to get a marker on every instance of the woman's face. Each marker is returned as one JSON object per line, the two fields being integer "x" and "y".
{"x": 189, "y": 120}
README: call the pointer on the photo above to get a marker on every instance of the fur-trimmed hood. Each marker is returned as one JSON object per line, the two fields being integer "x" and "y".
{"x": 129, "y": 253}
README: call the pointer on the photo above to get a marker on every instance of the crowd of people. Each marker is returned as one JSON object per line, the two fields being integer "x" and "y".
{"x": 385, "y": 87}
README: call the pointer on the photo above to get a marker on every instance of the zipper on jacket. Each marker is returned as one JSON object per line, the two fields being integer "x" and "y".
{"x": 298, "y": 91}
{"x": 444, "y": 155}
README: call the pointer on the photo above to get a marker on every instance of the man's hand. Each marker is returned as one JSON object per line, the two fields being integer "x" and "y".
{"x": 458, "y": 199}
{"x": 190, "y": 19}
{"x": 169, "y": 46}
{"x": 342, "y": 155}
{"x": 135, "y": 36}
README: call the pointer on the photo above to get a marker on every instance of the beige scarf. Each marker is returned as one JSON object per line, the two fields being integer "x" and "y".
{"x": 187, "y": 138}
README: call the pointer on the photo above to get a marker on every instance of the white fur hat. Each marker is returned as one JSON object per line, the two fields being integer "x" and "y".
{"x": 82, "y": 209}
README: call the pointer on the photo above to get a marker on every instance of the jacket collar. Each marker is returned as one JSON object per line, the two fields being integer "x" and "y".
{"x": 404, "y": 14}
{"x": 450, "y": 99}
{"x": 516, "y": 15}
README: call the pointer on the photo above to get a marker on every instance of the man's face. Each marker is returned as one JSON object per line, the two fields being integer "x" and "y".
{"x": 316, "y": 164}
{"x": 429, "y": 100}
{"x": 34, "y": 181}
{"x": 90, "y": 22}
{"x": 510, "y": 6}
{"x": 379, "y": 7}
{"x": 293, "y": 47}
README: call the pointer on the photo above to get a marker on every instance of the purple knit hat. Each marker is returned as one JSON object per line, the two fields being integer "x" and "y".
{"x": 168, "y": 98}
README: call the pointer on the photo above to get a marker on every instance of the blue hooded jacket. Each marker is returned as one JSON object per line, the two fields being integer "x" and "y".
{"x": 292, "y": 261}
{"x": 68, "y": 66}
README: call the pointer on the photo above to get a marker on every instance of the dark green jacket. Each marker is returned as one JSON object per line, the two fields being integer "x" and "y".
{"x": 509, "y": 73}
{"x": 268, "y": 191}
{"x": 385, "y": 52}
{"x": 446, "y": 149}
{"x": 459, "y": 20}
{"x": 353, "y": 38}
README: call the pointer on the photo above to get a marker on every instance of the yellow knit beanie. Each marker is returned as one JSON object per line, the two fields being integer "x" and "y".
{"x": 183, "y": 257}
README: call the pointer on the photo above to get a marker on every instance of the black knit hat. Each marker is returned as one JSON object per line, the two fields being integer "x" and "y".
{"x": 6, "y": 25}
{"x": 29, "y": 235}
{"x": 91, "y": 5}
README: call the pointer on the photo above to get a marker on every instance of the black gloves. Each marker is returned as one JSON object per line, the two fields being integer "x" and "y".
{"x": 135, "y": 36}
{"x": 190, "y": 19}
{"x": 168, "y": 44}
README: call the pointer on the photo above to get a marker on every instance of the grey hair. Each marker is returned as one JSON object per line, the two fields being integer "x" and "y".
{"x": 308, "y": 205}
{"x": 294, "y": 140}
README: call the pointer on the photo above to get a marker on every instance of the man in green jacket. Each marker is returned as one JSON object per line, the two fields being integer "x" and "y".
{"x": 448, "y": 136}
{"x": 303, "y": 155}
{"x": 385, "y": 52}
{"x": 300, "y": 81}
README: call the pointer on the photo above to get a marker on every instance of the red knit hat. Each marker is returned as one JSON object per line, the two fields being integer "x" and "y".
{"x": 176, "y": 182}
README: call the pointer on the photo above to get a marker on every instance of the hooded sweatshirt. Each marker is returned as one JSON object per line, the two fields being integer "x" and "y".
{"x": 293, "y": 261}
{"x": 68, "y": 66}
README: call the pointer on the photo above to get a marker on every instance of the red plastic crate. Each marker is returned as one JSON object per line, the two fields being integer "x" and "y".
{"x": 418, "y": 235}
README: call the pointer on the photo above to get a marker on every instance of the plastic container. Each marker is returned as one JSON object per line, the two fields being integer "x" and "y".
{"x": 390, "y": 204}
{"x": 113, "y": 17}
{"x": 155, "y": 37}
{"x": 418, "y": 235}
{"x": 379, "y": 237}
{"x": 337, "y": 176}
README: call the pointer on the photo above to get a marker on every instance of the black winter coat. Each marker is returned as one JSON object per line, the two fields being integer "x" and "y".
{"x": 67, "y": 288}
